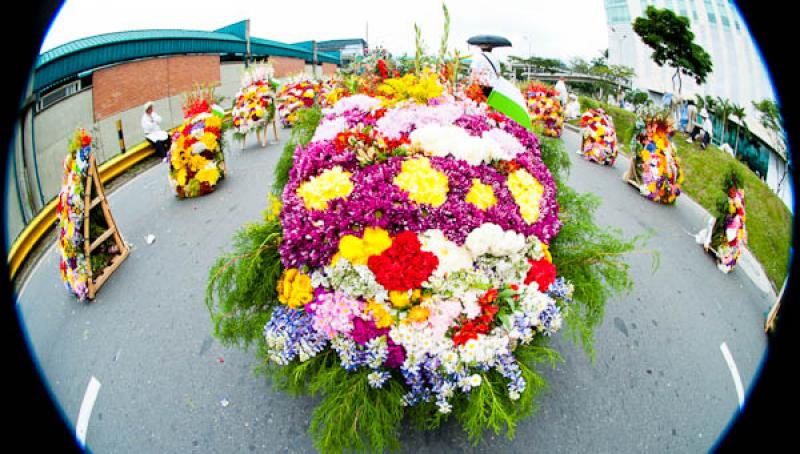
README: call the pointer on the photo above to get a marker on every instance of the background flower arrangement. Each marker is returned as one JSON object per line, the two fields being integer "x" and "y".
{"x": 655, "y": 164}
{"x": 196, "y": 156}
{"x": 254, "y": 104}
{"x": 730, "y": 235}
{"x": 545, "y": 108}
{"x": 297, "y": 95}
{"x": 599, "y": 142}
{"x": 415, "y": 265}
{"x": 72, "y": 261}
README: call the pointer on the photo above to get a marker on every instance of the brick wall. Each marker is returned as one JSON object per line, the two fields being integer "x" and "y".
{"x": 328, "y": 69}
{"x": 287, "y": 66}
{"x": 124, "y": 86}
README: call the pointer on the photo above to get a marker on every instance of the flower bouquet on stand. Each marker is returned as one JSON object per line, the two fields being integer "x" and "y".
{"x": 412, "y": 266}
{"x": 545, "y": 108}
{"x": 254, "y": 105}
{"x": 655, "y": 167}
{"x": 727, "y": 234}
{"x": 72, "y": 261}
{"x": 294, "y": 96}
{"x": 599, "y": 142}
{"x": 196, "y": 156}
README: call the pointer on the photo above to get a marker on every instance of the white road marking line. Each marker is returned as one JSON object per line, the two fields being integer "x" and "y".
{"x": 86, "y": 411}
{"x": 734, "y": 373}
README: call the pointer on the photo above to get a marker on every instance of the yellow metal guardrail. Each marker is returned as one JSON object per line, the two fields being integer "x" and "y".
{"x": 46, "y": 218}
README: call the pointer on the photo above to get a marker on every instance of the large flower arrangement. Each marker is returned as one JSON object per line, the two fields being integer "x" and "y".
{"x": 254, "y": 105}
{"x": 70, "y": 208}
{"x": 196, "y": 155}
{"x": 294, "y": 96}
{"x": 599, "y": 142}
{"x": 545, "y": 108}
{"x": 414, "y": 265}
{"x": 655, "y": 168}
{"x": 729, "y": 230}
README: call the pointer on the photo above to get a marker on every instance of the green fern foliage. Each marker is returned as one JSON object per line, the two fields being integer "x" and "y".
{"x": 302, "y": 132}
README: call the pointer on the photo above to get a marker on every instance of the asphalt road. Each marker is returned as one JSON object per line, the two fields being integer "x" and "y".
{"x": 660, "y": 381}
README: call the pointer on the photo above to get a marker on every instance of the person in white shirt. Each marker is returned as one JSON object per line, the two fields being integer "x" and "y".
{"x": 707, "y": 128}
{"x": 151, "y": 125}
{"x": 573, "y": 109}
{"x": 485, "y": 69}
{"x": 561, "y": 88}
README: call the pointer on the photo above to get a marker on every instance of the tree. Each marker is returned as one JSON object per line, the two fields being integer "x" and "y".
{"x": 673, "y": 44}
{"x": 771, "y": 119}
{"x": 740, "y": 113}
{"x": 724, "y": 109}
{"x": 579, "y": 65}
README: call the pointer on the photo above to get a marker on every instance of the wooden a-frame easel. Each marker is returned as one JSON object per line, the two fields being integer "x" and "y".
{"x": 93, "y": 180}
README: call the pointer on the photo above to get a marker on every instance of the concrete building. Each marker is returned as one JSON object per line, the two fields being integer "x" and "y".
{"x": 95, "y": 82}
{"x": 739, "y": 73}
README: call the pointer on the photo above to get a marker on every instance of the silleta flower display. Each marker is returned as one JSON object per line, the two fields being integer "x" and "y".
{"x": 294, "y": 96}
{"x": 196, "y": 157}
{"x": 729, "y": 234}
{"x": 655, "y": 168}
{"x": 416, "y": 231}
{"x": 545, "y": 108}
{"x": 254, "y": 104}
{"x": 599, "y": 142}
{"x": 72, "y": 261}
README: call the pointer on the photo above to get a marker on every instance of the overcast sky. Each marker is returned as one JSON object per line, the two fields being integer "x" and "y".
{"x": 559, "y": 29}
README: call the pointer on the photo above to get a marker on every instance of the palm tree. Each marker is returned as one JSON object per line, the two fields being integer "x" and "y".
{"x": 724, "y": 108}
{"x": 740, "y": 113}
{"x": 701, "y": 103}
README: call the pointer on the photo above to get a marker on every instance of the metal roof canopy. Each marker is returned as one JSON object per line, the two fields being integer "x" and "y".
{"x": 64, "y": 62}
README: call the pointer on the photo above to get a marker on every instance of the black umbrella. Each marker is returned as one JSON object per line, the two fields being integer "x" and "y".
{"x": 490, "y": 41}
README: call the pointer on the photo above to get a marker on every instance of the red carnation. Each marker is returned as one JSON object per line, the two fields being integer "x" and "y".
{"x": 541, "y": 271}
{"x": 403, "y": 265}
{"x": 86, "y": 140}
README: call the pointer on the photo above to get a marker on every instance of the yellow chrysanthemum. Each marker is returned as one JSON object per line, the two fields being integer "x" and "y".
{"x": 180, "y": 176}
{"x": 527, "y": 193}
{"x": 294, "y": 288}
{"x": 409, "y": 86}
{"x": 546, "y": 250}
{"x": 418, "y": 314}
{"x": 382, "y": 317}
{"x": 399, "y": 299}
{"x": 274, "y": 207}
{"x": 331, "y": 184}
{"x": 481, "y": 195}
{"x": 423, "y": 183}
{"x": 210, "y": 141}
{"x": 197, "y": 162}
{"x": 213, "y": 122}
{"x": 358, "y": 250}
{"x": 208, "y": 175}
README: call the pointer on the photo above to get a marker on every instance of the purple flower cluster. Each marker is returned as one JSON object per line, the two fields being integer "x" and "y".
{"x": 290, "y": 334}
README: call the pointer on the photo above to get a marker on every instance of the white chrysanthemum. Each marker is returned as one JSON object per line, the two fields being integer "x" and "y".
{"x": 508, "y": 146}
{"x": 329, "y": 129}
{"x": 452, "y": 257}
{"x": 454, "y": 141}
{"x": 361, "y": 102}
{"x": 491, "y": 239}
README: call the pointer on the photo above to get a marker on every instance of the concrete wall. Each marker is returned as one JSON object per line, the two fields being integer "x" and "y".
{"x": 53, "y": 129}
{"x": 778, "y": 170}
{"x": 15, "y": 221}
{"x": 125, "y": 86}
{"x": 230, "y": 75}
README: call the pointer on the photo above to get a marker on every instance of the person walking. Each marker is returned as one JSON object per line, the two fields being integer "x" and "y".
{"x": 151, "y": 125}
{"x": 561, "y": 88}
{"x": 691, "y": 118}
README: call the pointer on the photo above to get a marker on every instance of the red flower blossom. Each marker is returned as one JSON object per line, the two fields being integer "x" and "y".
{"x": 86, "y": 140}
{"x": 382, "y": 68}
{"x": 404, "y": 265}
{"x": 541, "y": 271}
